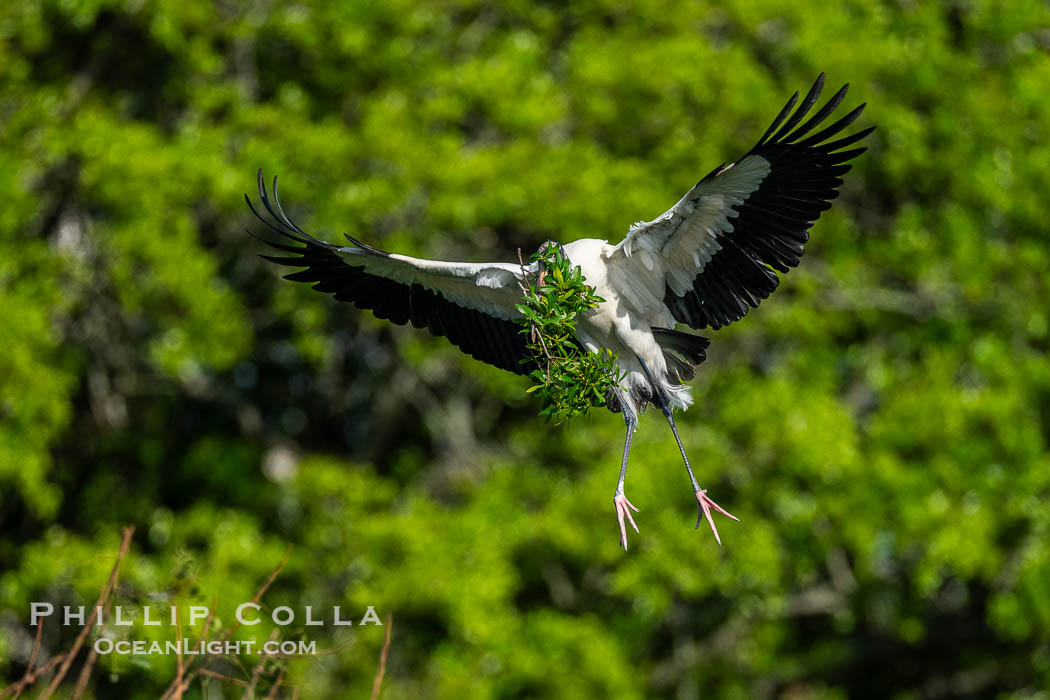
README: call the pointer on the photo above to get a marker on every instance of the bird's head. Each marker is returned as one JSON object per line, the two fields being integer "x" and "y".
{"x": 542, "y": 250}
{"x": 547, "y": 246}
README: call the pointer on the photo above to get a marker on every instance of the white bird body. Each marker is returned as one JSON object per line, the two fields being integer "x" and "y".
{"x": 621, "y": 324}
{"x": 705, "y": 262}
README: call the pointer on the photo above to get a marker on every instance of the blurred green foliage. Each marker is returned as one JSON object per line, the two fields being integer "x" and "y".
{"x": 880, "y": 425}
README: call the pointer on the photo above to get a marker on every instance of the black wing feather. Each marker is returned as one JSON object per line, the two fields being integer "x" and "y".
{"x": 773, "y": 223}
{"x": 493, "y": 340}
{"x": 803, "y": 110}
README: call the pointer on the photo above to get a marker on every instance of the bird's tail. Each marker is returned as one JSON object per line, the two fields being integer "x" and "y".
{"x": 682, "y": 352}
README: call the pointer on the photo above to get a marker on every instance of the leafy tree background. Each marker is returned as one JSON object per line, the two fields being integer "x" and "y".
{"x": 880, "y": 425}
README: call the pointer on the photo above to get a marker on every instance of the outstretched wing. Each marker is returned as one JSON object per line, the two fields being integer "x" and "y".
{"x": 471, "y": 304}
{"x": 708, "y": 259}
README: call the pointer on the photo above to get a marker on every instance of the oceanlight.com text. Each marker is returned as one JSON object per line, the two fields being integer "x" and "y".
{"x": 141, "y": 647}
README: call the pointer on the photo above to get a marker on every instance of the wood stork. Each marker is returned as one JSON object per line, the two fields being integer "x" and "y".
{"x": 705, "y": 263}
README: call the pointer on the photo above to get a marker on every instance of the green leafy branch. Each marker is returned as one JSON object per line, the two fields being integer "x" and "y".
{"x": 568, "y": 379}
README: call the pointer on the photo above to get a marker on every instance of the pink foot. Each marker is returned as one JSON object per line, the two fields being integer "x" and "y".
{"x": 704, "y": 505}
{"x": 622, "y": 505}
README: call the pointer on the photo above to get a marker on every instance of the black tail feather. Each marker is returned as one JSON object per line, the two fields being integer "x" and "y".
{"x": 682, "y": 352}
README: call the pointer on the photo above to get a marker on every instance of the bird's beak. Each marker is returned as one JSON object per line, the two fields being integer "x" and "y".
{"x": 541, "y": 278}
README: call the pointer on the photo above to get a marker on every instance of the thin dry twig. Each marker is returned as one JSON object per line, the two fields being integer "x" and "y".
{"x": 208, "y": 620}
{"x": 257, "y": 671}
{"x": 36, "y": 646}
{"x": 31, "y": 678}
{"x": 177, "y": 686}
{"x": 175, "y": 689}
{"x": 523, "y": 285}
{"x": 377, "y": 685}
{"x": 262, "y": 589}
{"x": 64, "y": 661}
{"x": 272, "y": 695}
{"x": 524, "y": 275}
{"x": 533, "y": 333}
{"x": 18, "y": 687}
{"x": 222, "y": 677}
{"x": 89, "y": 665}
{"x": 180, "y": 669}
{"x": 85, "y": 673}
{"x": 104, "y": 598}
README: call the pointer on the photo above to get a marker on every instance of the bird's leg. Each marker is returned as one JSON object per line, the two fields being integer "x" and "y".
{"x": 623, "y": 506}
{"x": 703, "y": 503}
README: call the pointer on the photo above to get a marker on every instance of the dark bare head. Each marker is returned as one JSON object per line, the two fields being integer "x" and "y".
{"x": 542, "y": 250}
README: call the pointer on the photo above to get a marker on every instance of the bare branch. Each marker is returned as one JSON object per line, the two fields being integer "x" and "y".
{"x": 105, "y": 599}
{"x": 180, "y": 671}
{"x": 28, "y": 677}
{"x": 31, "y": 678}
{"x": 377, "y": 685}
{"x": 276, "y": 684}
{"x": 176, "y": 689}
{"x": 249, "y": 692}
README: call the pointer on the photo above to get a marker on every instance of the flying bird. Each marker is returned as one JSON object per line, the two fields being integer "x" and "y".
{"x": 704, "y": 263}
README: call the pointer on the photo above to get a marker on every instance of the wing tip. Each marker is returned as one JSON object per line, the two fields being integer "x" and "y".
{"x": 279, "y": 221}
{"x": 365, "y": 247}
